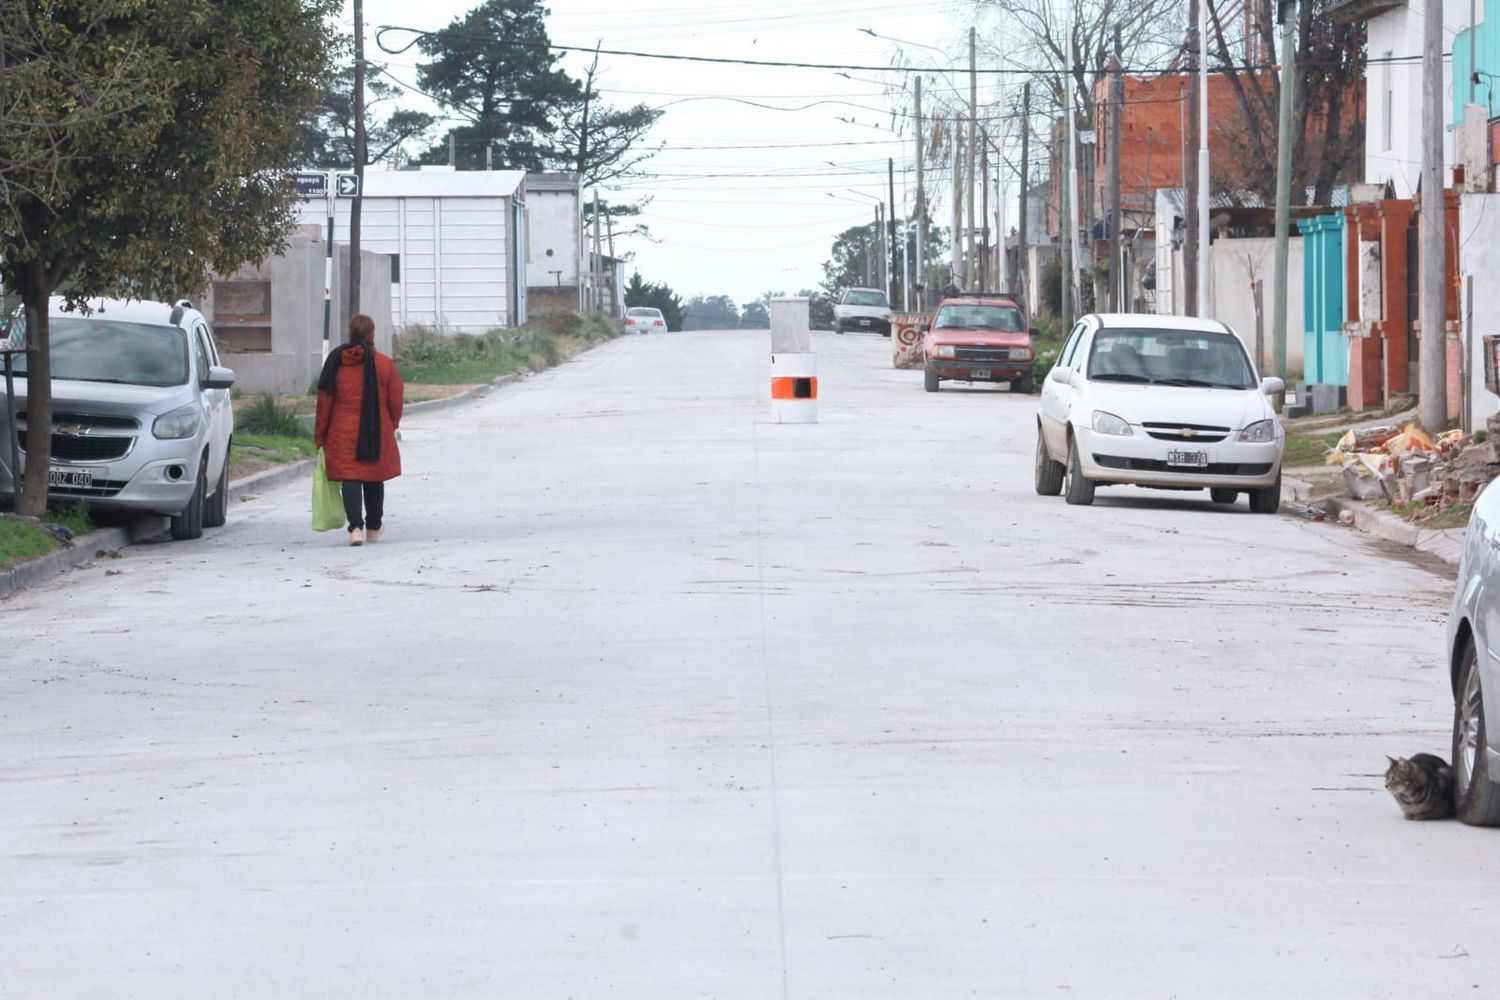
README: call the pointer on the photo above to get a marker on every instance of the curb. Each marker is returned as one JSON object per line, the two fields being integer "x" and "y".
{"x": 107, "y": 542}
{"x": 1445, "y": 544}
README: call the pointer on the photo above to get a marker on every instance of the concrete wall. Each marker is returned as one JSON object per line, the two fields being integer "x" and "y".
{"x": 555, "y": 239}
{"x": 1393, "y": 94}
{"x": 1233, "y": 265}
{"x": 374, "y": 296}
{"x": 1479, "y": 263}
{"x": 292, "y": 283}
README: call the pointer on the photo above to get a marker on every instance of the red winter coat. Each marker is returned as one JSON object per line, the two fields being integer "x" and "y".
{"x": 338, "y": 419}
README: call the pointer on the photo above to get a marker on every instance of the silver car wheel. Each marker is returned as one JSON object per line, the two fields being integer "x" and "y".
{"x": 1470, "y": 705}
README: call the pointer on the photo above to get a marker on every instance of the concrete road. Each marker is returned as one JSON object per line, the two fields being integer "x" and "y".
{"x": 645, "y": 697}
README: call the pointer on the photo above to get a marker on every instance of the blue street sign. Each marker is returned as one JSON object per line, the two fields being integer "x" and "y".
{"x": 312, "y": 184}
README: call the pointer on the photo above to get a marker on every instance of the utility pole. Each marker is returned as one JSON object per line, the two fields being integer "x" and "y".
{"x": 984, "y": 216}
{"x": 956, "y": 251}
{"x": 451, "y": 161}
{"x": 1021, "y": 262}
{"x": 357, "y": 206}
{"x": 609, "y": 225}
{"x": 890, "y": 224}
{"x": 1075, "y": 251}
{"x": 921, "y": 269}
{"x": 1205, "y": 307}
{"x": 1190, "y": 177}
{"x": 1116, "y": 216}
{"x": 598, "y": 269}
{"x": 973, "y": 152}
{"x": 1432, "y": 399}
{"x": 1286, "y": 11}
{"x": 884, "y": 270}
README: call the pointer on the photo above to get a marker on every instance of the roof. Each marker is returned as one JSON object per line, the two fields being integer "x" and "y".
{"x": 137, "y": 311}
{"x": 1361, "y": 10}
{"x": 1156, "y": 321}
{"x": 441, "y": 183}
{"x": 566, "y": 183}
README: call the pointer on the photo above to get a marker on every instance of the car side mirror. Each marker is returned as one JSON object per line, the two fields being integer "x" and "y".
{"x": 1272, "y": 386}
{"x": 1060, "y": 375}
{"x": 218, "y": 378}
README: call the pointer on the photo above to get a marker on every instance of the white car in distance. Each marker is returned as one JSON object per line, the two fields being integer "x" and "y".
{"x": 1158, "y": 401}
{"x": 643, "y": 319}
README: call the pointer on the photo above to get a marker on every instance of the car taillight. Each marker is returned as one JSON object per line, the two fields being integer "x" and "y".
{"x": 658, "y": 323}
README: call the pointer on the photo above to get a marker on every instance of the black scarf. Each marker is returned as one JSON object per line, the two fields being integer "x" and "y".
{"x": 367, "y": 448}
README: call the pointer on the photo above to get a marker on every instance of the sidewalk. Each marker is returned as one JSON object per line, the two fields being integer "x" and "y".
{"x": 105, "y": 543}
{"x": 1446, "y": 544}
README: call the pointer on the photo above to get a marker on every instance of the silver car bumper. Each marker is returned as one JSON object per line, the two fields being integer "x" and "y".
{"x": 155, "y": 476}
{"x": 1142, "y": 460}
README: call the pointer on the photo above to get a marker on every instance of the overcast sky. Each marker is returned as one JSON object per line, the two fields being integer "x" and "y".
{"x": 743, "y": 221}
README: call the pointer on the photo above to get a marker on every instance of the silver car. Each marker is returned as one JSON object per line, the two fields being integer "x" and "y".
{"x": 141, "y": 414}
{"x": 1474, "y": 667}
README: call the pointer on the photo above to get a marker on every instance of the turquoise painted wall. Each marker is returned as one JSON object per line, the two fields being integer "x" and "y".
{"x": 1325, "y": 345}
{"x": 1487, "y": 56}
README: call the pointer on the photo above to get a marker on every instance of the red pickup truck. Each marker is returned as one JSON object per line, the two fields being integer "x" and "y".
{"x": 978, "y": 338}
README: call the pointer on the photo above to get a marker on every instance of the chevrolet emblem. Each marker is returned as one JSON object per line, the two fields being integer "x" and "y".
{"x": 72, "y": 430}
{"x": 1188, "y": 432}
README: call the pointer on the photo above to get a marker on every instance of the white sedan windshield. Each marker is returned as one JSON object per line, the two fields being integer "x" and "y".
{"x": 1171, "y": 357}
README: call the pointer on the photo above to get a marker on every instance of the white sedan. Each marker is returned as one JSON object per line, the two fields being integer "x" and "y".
{"x": 1473, "y": 656}
{"x": 641, "y": 319}
{"x": 1162, "y": 402}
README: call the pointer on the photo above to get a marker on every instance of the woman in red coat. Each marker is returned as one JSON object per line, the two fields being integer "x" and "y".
{"x": 359, "y": 408}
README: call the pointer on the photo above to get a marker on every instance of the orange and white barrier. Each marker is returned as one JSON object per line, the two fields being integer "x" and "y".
{"x": 794, "y": 367}
{"x": 794, "y": 388}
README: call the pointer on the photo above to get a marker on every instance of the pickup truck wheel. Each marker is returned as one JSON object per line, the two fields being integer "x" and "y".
{"x": 1025, "y": 385}
{"x": 1049, "y": 473}
{"x": 929, "y": 380}
{"x": 1080, "y": 490}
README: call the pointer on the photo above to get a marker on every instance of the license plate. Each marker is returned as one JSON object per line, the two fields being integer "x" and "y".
{"x": 78, "y": 478}
{"x": 979, "y": 373}
{"x": 1188, "y": 459}
{"x": 864, "y": 322}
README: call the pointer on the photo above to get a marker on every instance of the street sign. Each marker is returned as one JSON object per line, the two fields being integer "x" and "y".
{"x": 312, "y": 184}
{"x": 1086, "y": 136}
{"x": 347, "y": 185}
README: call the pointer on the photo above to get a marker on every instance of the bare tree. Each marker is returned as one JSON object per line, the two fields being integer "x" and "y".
{"x": 1329, "y": 102}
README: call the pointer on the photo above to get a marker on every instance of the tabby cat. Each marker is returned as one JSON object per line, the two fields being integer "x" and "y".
{"x": 1422, "y": 785}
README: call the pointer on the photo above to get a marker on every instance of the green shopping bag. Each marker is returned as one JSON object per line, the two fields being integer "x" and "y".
{"x": 328, "y": 499}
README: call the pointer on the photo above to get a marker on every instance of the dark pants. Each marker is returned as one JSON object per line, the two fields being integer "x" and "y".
{"x": 361, "y": 498}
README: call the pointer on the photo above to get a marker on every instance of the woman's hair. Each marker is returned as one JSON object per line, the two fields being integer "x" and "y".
{"x": 361, "y": 330}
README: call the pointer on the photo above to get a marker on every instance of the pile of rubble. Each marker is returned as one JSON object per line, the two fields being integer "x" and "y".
{"x": 1406, "y": 466}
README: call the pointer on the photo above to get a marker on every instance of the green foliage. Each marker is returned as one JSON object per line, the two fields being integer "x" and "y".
{"x": 1052, "y": 287}
{"x": 428, "y": 356}
{"x": 755, "y": 315}
{"x": 73, "y": 516}
{"x": 713, "y": 312}
{"x": 326, "y": 138}
{"x": 494, "y": 67}
{"x": 853, "y": 260}
{"x": 276, "y": 448}
{"x": 22, "y": 539}
{"x": 642, "y": 293}
{"x": 268, "y": 415}
{"x": 145, "y": 145}
{"x": 1480, "y": 436}
{"x": 1308, "y": 449}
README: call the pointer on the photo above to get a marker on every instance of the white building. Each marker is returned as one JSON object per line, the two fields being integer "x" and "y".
{"x": 559, "y": 248}
{"x": 457, "y": 242}
{"x": 1393, "y": 86}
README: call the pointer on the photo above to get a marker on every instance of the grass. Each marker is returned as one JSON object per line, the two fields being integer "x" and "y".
{"x": 429, "y": 356}
{"x": 22, "y": 538}
{"x": 1308, "y": 449}
{"x": 277, "y": 448}
{"x": 270, "y": 416}
{"x": 1454, "y": 515}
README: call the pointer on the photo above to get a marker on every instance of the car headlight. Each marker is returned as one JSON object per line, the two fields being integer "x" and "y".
{"x": 1108, "y": 423}
{"x": 1260, "y": 432}
{"x": 1020, "y": 354}
{"x": 182, "y": 422}
{"x": 943, "y": 351}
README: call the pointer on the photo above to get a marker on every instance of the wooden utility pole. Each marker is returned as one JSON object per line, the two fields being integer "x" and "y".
{"x": 1024, "y": 274}
{"x": 357, "y": 205}
{"x": 973, "y": 152}
{"x": 597, "y": 270}
{"x": 1116, "y": 216}
{"x": 890, "y": 225}
{"x": 1286, "y": 10}
{"x": 984, "y": 216}
{"x": 921, "y": 269}
{"x": 956, "y": 251}
{"x": 1190, "y": 177}
{"x": 1432, "y": 399}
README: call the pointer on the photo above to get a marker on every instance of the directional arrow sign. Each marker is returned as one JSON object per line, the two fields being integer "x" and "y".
{"x": 347, "y": 185}
{"x": 312, "y": 184}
